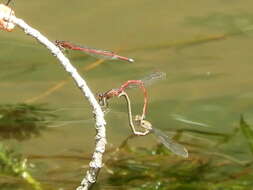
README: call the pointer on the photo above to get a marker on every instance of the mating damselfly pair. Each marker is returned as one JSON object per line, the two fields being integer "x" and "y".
{"x": 140, "y": 119}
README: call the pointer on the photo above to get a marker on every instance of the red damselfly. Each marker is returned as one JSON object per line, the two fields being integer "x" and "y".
{"x": 142, "y": 83}
{"x": 102, "y": 54}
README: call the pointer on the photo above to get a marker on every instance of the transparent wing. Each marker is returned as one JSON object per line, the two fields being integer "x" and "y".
{"x": 150, "y": 79}
{"x": 100, "y": 54}
{"x": 170, "y": 144}
{"x": 108, "y": 55}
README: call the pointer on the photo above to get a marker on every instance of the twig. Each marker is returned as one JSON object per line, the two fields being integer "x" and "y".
{"x": 96, "y": 162}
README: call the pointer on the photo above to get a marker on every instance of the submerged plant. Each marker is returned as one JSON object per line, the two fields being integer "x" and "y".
{"x": 22, "y": 121}
{"x": 247, "y": 132}
{"x": 241, "y": 22}
{"x": 12, "y": 164}
{"x": 142, "y": 169}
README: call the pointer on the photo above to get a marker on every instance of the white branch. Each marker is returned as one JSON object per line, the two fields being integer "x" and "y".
{"x": 96, "y": 162}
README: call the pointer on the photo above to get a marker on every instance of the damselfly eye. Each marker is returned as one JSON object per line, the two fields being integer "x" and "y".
{"x": 57, "y": 42}
{"x": 102, "y": 100}
{"x": 100, "y": 96}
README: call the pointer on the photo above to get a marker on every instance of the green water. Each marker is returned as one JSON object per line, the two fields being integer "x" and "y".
{"x": 209, "y": 79}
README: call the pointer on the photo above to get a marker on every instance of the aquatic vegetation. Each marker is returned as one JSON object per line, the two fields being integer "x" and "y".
{"x": 22, "y": 121}
{"x": 12, "y": 164}
{"x": 140, "y": 169}
{"x": 199, "y": 40}
{"x": 7, "y": 186}
{"x": 247, "y": 132}
{"x": 241, "y": 22}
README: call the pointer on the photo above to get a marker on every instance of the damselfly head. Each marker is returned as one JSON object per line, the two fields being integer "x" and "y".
{"x": 102, "y": 100}
{"x": 143, "y": 123}
{"x": 99, "y": 95}
{"x": 58, "y": 43}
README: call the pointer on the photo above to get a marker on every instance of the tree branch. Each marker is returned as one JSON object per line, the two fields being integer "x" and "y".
{"x": 96, "y": 161}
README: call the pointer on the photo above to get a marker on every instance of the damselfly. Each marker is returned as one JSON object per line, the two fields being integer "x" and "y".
{"x": 167, "y": 141}
{"x": 141, "y": 83}
{"x": 101, "y": 54}
{"x": 148, "y": 128}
